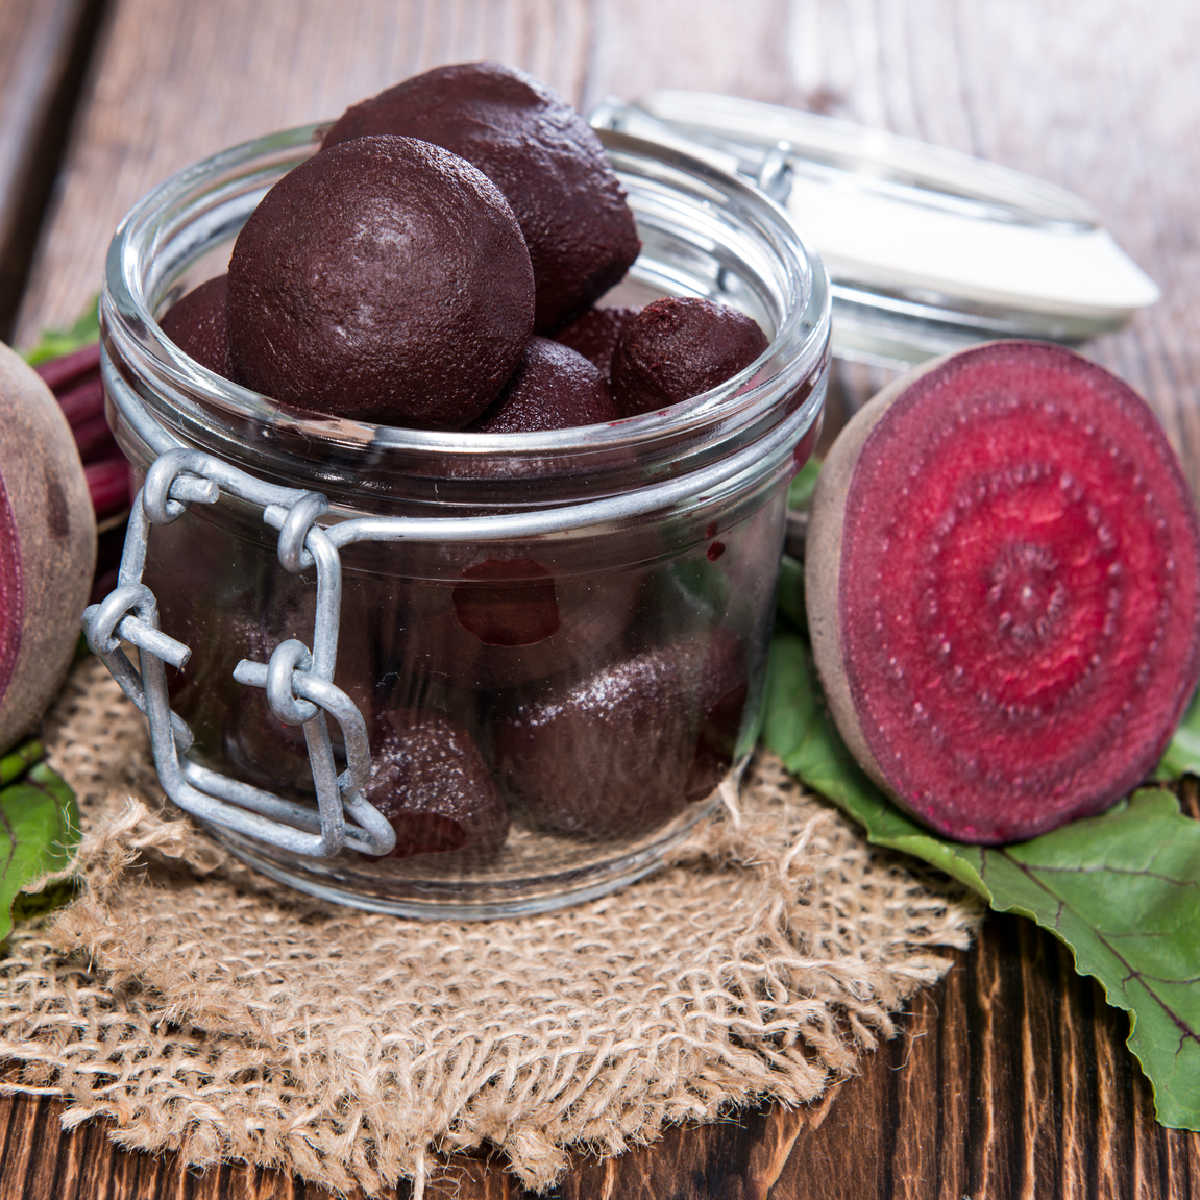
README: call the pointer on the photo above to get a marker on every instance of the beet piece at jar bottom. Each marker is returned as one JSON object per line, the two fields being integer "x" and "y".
{"x": 430, "y": 781}
{"x": 624, "y": 750}
{"x": 270, "y": 751}
{"x": 1003, "y": 589}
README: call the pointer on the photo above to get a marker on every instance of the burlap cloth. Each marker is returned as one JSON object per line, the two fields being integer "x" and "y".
{"x": 203, "y": 1009}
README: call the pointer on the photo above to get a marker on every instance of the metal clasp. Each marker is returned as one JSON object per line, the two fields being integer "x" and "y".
{"x": 298, "y": 680}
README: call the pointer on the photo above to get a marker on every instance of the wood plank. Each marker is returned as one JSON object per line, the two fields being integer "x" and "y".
{"x": 1012, "y": 1078}
{"x": 249, "y": 69}
{"x": 43, "y": 47}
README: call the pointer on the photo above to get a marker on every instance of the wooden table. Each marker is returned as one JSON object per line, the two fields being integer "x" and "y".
{"x": 1012, "y": 1078}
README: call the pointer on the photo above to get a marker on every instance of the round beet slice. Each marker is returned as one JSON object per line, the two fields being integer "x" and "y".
{"x": 1003, "y": 582}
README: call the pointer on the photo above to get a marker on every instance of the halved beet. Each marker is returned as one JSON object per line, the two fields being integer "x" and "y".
{"x": 1003, "y": 588}
{"x": 47, "y": 546}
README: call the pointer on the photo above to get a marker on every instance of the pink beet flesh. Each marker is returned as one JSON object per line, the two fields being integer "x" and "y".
{"x": 1019, "y": 592}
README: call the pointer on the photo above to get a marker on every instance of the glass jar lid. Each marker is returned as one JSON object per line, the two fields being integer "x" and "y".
{"x": 928, "y": 249}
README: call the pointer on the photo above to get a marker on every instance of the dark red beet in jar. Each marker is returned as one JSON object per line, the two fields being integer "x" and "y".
{"x": 384, "y": 278}
{"x": 541, "y": 154}
{"x": 430, "y": 781}
{"x": 553, "y": 388}
{"x": 504, "y": 619}
{"x": 595, "y": 335}
{"x": 270, "y": 751}
{"x": 196, "y": 323}
{"x": 624, "y": 750}
{"x": 677, "y": 348}
{"x": 724, "y": 690}
{"x": 602, "y": 576}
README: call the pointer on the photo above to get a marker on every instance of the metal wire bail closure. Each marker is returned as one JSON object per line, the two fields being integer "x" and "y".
{"x": 298, "y": 680}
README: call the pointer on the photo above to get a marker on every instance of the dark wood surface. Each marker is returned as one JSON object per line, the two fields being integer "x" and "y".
{"x": 1011, "y": 1078}
{"x": 44, "y": 46}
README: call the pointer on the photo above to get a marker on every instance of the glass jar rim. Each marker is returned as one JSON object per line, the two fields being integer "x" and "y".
{"x": 733, "y": 410}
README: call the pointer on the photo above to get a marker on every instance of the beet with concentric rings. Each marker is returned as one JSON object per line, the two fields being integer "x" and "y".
{"x": 1003, "y": 589}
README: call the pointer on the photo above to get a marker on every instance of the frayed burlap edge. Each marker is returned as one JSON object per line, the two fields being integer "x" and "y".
{"x": 203, "y": 1009}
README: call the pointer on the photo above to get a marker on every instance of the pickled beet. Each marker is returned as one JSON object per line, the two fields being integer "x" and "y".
{"x": 622, "y": 751}
{"x": 384, "y": 278}
{"x": 595, "y": 335}
{"x": 507, "y": 619}
{"x": 270, "y": 751}
{"x": 677, "y": 348}
{"x": 196, "y": 323}
{"x": 508, "y": 602}
{"x": 540, "y": 153}
{"x": 554, "y": 387}
{"x": 430, "y": 781}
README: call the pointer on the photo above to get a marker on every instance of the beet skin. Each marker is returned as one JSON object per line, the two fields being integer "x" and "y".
{"x": 553, "y": 388}
{"x": 677, "y": 348}
{"x": 622, "y": 751}
{"x": 47, "y": 546}
{"x": 196, "y": 324}
{"x": 431, "y": 782}
{"x": 596, "y": 334}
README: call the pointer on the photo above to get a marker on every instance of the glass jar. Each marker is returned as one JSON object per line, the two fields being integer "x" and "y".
{"x": 556, "y": 640}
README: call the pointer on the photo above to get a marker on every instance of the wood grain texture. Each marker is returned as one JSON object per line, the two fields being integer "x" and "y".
{"x": 1012, "y": 1078}
{"x": 41, "y": 55}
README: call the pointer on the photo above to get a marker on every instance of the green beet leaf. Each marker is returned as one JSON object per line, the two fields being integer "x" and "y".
{"x": 1121, "y": 890}
{"x": 1182, "y": 755}
{"x": 39, "y": 826}
{"x": 57, "y": 342}
{"x": 800, "y": 489}
{"x": 19, "y": 759}
{"x": 790, "y": 591}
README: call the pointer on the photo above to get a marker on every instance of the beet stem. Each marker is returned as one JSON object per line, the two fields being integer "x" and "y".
{"x": 94, "y": 440}
{"x": 82, "y": 403}
{"x": 108, "y": 483}
{"x": 58, "y": 372}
